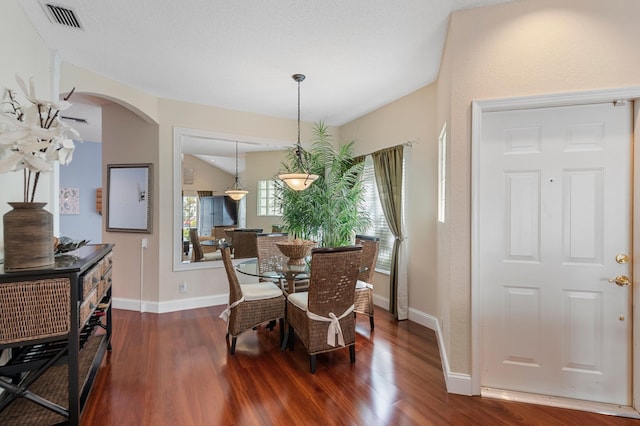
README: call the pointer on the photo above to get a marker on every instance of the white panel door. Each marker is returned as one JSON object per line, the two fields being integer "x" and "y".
{"x": 554, "y": 212}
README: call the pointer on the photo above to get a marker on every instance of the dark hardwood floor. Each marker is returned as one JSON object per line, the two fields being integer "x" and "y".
{"x": 175, "y": 369}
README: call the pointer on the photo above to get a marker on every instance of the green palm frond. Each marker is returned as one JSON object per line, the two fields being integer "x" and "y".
{"x": 331, "y": 210}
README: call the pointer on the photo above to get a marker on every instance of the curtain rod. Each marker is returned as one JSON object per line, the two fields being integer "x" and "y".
{"x": 407, "y": 143}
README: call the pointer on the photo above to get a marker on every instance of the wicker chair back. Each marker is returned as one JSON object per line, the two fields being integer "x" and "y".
{"x": 332, "y": 282}
{"x": 198, "y": 254}
{"x": 235, "y": 292}
{"x": 219, "y": 232}
{"x": 269, "y": 255}
{"x": 244, "y": 243}
{"x": 370, "y": 248}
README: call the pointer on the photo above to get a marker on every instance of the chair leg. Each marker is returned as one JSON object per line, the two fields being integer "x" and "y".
{"x": 233, "y": 345}
{"x": 281, "y": 323}
{"x": 371, "y": 321}
{"x": 352, "y": 353}
{"x": 291, "y": 337}
{"x": 312, "y": 364}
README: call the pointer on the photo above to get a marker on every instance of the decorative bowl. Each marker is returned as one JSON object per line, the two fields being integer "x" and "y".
{"x": 66, "y": 244}
{"x": 296, "y": 250}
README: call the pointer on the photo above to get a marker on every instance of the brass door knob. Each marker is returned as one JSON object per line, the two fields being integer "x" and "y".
{"x": 621, "y": 281}
{"x": 622, "y": 258}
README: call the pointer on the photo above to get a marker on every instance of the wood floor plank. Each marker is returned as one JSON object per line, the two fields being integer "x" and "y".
{"x": 175, "y": 369}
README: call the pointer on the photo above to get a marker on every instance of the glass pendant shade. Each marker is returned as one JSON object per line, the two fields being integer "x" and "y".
{"x": 298, "y": 181}
{"x": 236, "y": 194}
{"x": 303, "y": 179}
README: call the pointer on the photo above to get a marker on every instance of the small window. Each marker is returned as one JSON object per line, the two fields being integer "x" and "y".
{"x": 379, "y": 226}
{"x": 189, "y": 214}
{"x": 268, "y": 204}
{"x": 442, "y": 174}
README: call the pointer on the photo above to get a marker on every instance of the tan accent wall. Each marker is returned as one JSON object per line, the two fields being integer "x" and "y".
{"x": 409, "y": 119}
{"x": 128, "y": 139}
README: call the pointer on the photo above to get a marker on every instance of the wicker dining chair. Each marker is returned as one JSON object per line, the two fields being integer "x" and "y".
{"x": 250, "y": 304}
{"x": 364, "y": 288}
{"x": 196, "y": 248}
{"x": 198, "y": 254}
{"x": 244, "y": 243}
{"x": 322, "y": 317}
{"x": 269, "y": 255}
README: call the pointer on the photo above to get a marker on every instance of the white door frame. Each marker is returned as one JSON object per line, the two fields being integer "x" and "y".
{"x": 552, "y": 100}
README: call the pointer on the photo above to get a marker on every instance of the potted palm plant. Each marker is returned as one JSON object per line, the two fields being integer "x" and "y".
{"x": 330, "y": 210}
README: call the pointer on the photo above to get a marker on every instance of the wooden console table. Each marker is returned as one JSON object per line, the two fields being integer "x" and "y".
{"x": 55, "y": 326}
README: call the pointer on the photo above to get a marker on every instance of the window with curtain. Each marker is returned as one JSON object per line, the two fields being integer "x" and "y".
{"x": 379, "y": 227}
{"x": 189, "y": 214}
{"x": 268, "y": 204}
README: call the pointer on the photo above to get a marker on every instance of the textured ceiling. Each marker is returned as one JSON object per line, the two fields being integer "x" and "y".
{"x": 357, "y": 55}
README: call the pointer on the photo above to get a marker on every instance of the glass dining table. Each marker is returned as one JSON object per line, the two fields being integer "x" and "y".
{"x": 281, "y": 273}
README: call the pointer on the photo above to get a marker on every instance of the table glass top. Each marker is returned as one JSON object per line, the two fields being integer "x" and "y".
{"x": 250, "y": 267}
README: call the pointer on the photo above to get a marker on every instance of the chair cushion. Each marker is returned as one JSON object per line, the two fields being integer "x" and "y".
{"x": 362, "y": 284}
{"x": 300, "y": 300}
{"x": 260, "y": 291}
{"x": 212, "y": 256}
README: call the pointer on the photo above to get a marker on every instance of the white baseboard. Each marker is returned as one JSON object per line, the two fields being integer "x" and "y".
{"x": 171, "y": 305}
{"x": 383, "y": 302}
{"x": 193, "y": 303}
{"x": 457, "y": 383}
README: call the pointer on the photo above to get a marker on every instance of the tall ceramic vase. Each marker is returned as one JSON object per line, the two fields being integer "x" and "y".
{"x": 28, "y": 237}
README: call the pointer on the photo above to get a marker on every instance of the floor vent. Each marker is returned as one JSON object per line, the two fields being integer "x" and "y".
{"x": 61, "y": 15}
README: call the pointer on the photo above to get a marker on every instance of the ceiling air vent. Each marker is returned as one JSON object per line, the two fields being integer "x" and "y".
{"x": 61, "y": 15}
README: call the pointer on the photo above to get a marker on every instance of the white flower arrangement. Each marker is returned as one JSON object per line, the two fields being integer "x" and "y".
{"x": 34, "y": 136}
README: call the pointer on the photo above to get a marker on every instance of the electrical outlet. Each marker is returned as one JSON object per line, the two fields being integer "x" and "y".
{"x": 145, "y": 243}
{"x": 182, "y": 287}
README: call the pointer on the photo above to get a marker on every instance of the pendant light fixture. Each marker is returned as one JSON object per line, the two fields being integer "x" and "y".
{"x": 303, "y": 178}
{"x": 236, "y": 192}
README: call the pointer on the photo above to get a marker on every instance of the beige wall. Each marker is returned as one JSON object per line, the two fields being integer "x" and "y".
{"x": 260, "y": 166}
{"x": 443, "y": 235}
{"x": 138, "y": 102}
{"x": 527, "y": 47}
{"x": 127, "y": 139}
{"x": 207, "y": 177}
{"x": 409, "y": 119}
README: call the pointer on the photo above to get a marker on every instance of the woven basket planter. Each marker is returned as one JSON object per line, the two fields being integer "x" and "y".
{"x": 296, "y": 250}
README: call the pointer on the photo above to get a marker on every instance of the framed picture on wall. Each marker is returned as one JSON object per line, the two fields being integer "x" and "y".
{"x": 129, "y": 200}
{"x": 69, "y": 200}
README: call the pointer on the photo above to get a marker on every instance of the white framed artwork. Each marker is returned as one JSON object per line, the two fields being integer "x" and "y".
{"x": 69, "y": 201}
